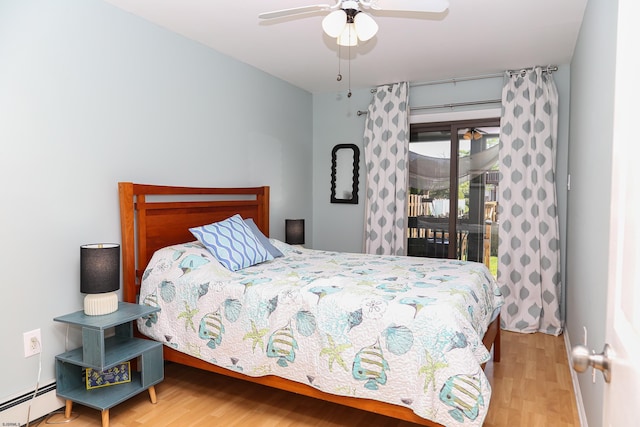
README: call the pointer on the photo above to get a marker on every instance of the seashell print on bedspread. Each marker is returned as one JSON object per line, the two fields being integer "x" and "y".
{"x": 403, "y": 330}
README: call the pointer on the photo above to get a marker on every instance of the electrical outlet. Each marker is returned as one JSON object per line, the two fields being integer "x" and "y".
{"x": 32, "y": 343}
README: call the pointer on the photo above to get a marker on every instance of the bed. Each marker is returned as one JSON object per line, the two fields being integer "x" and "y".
{"x": 370, "y": 332}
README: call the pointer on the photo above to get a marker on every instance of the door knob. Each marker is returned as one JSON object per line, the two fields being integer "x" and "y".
{"x": 582, "y": 359}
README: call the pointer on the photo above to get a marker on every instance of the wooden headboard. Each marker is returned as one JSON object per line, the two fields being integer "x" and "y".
{"x": 155, "y": 216}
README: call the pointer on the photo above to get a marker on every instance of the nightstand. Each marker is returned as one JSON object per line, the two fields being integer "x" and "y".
{"x": 102, "y": 353}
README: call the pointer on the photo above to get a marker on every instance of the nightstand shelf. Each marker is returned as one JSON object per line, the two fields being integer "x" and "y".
{"x": 104, "y": 397}
{"x": 117, "y": 350}
{"x": 102, "y": 353}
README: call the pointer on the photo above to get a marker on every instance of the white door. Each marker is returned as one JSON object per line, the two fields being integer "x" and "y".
{"x": 622, "y": 394}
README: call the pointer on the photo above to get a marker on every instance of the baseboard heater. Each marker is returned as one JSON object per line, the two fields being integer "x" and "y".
{"x": 13, "y": 412}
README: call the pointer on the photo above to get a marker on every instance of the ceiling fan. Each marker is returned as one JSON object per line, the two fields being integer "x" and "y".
{"x": 473, "y": 134}
{"x": 346, "y": 21}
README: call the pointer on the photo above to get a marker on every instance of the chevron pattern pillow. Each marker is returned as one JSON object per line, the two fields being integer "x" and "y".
{"x": 232, "y": 243}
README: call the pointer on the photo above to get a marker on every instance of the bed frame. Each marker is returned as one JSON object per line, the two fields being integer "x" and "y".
{"x": 153, "y": 217}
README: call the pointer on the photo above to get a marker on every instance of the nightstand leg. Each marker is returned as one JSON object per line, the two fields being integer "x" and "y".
{"x": 152, "y": 394}
{"x": 105, "y": 418}
{"x": 67, "y": 409}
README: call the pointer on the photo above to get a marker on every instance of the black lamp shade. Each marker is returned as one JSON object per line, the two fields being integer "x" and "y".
{"x": 294, "y": 231}
{"x": 99, "y": 268}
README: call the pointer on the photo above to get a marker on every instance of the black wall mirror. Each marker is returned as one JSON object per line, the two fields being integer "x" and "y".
{"x": 345, "y": 167}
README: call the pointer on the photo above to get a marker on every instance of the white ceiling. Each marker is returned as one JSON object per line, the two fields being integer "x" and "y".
{"x": 472, "y": 38}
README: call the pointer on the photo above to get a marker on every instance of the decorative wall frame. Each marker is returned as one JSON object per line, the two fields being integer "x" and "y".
{"x": 345, "y": 169}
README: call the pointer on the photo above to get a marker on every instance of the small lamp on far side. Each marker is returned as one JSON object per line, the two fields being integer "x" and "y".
{"x": 100, "y": 277}
{"x": 294, "y": 231}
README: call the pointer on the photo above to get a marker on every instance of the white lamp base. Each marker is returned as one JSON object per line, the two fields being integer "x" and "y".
{"x": 99, "y": 304}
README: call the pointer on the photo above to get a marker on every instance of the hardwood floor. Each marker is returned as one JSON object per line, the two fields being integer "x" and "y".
{"x": 531, "y": 387}
{"x": 532, "y": 383}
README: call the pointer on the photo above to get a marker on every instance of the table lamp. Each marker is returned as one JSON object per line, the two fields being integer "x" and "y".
{"x": 100, "y": 277}
{"x": 294, "y": 231}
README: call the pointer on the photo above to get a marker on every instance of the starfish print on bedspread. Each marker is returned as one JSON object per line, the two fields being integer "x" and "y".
{"x": 256, "y": 336}
{"x": 334, "y": 352}
{"x": 188, "y": 315}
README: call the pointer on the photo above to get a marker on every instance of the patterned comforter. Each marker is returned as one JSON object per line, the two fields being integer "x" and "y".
{"x": 403, "y": 330}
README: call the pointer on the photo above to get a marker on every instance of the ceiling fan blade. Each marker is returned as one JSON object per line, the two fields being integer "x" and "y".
{"x": 433, "y": 6}
{"x": 294, "y": 11}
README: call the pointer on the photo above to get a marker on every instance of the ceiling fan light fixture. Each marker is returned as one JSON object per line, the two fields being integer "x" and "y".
{"x": 349, "y": 36}
{"x": 365, "y": 26}
{"x": 334, "y": 23}
{"x": 472, "y": 134}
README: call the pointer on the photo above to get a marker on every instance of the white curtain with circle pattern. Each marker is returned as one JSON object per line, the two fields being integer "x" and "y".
{"x": 386, "y": 155}
{"x": 529, "y": 249}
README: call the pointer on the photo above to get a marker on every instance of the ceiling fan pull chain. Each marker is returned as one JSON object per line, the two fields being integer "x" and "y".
{"x": 349, "y": 92}
{"x": 339, "y": 78}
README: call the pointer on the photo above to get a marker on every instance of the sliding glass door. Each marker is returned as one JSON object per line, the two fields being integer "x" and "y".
{"x": 429, "y": 193}
{"x": 452, "y": 207}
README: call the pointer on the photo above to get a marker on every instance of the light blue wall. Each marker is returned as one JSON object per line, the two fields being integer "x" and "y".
{"x": 592, "y": 96}
{"x": 91, "y": 95}
{"x": 336, "y": 226}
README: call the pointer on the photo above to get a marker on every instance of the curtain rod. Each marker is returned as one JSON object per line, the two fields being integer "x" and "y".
{"x": 522, "y": 71}
{"x": 453, "y": 105}
{"x": 458, "y": 79}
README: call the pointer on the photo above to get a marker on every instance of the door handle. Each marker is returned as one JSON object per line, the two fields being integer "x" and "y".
{"x": 582, "y": 359}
